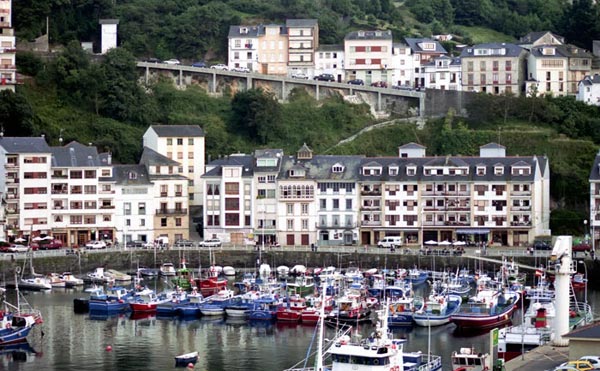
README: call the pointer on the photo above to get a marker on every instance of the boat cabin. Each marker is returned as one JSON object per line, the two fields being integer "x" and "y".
{"x": 468, "y": 359}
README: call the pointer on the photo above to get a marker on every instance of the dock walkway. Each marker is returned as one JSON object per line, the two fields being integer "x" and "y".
{"x": 542, "y": 358}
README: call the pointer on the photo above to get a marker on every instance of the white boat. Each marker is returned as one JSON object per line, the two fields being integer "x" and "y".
{"x": 229, "y": 270}
{"x": 35, "y": 283}
{"x": 167, "y": 269}
{"x": 71, "y": 280}
{"x": 467, "y": 359}
{"x": 283, "y": 271}
{"x": 98, "y": 276}
{"x": 264, "y": 270}
{"x": 56, "y": 280}
{"x": 117, "y": 276}
{"x": 298, "y": 269}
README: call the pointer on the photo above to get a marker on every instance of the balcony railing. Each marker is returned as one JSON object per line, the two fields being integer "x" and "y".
{"x": 521, "y": 224}
{"x": 107, "y": 206}
{"x": 335, "y": 225}
{"x": 171, "y": 211}
{"x": 370, "y": 193}
{"x": 370, "y": 223}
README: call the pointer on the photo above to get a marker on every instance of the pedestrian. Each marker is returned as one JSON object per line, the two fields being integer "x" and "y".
{"x": 312, "y": 247}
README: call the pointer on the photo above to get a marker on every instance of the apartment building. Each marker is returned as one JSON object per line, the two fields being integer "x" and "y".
{"x": 134, "y": 203}
{"x": 8, "y": 69}
{"x": 368, "y": 56}
{"x": 273, "y": 50}
{"x": 82, "y": 200}
{"x": 185, "y": 145}
{"x": 403, "y": 65}
{"x": 494, "y": 68}
{"x": 244, "y": 46}
{"x": 229, "y": 199}
{"x": 594, "y": 217}
{"x": 303, "y": 41}
{"x": 169, "y": 196}
{"x": 267, "y": 164}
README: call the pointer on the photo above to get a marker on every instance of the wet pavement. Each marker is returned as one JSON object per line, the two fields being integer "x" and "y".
{"x": 546, "y": 357}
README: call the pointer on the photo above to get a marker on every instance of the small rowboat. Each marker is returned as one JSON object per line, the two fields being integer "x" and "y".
{"x": 185, "y": 359}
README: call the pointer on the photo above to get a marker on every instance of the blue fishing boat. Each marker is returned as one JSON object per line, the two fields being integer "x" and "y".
{"x": 16, "y": 321}
{"x": 437, "y": 309}
{"x": 417, "y": 276}
{"x": 115, "y": 299}
{"x": 265, "y": 309}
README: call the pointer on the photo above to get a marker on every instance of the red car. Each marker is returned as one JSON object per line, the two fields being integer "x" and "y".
{"x": 581, "y": 247}
{"x": 47, "y": 245}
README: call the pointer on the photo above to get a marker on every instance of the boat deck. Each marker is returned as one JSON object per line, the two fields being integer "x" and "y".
{"x": 544, "y": 357}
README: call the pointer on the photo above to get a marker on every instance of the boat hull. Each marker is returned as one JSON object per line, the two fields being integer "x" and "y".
{"x": 477, "y": 323}
{"x": 14, "y": 335}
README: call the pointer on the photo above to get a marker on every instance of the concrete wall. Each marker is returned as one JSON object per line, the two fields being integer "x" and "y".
{"x": 438, "y": 102}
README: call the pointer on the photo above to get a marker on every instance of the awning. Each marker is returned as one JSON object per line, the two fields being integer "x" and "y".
{"x": 472, "y": 231}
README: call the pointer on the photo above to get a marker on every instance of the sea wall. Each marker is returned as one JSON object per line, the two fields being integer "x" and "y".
{"x": 128, "y": 260}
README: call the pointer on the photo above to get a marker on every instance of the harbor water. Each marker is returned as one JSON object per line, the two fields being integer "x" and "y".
{"x": 69, "y": 341}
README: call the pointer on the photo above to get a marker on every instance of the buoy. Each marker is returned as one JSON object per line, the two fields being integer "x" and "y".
{"x": 190, "y": 365}
{"x": 108, "y": 348}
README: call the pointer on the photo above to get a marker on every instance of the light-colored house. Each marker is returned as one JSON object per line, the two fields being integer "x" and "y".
{"x": 267, "y": 163}
{"x": 8, "y": 69}
{"x": 243, "y": 46}
{"x": 169, "y": 196}
{"x": 330, "y": 59}
{"x": 273, "y": 50}
{"x": 539, "y": 38}
{"x": 368, "y": 56}
{"x": 443, "y": 73}
{"x": 589, "y": 90}
{"x": 303, "y": 41}
{"x": 423, "y": 51}
{"x": 584, "y": 340}
{"x": 229, "y": 199}
{"x": 594, "y": 216}
{"x": 494, "y": 68}
{"x": 403, "y": 65}
{"x": 185, "y": 145}
{"x": 134, "y": 202}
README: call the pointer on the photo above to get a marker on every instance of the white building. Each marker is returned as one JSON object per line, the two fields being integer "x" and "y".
{"x": 267, "y": 163}
{"x": 423, "y": 52}
{"x": 589, "y": 90}
{"x": 403, "y": 65}
{"x": 185, "y": 145}
{"x": 368, "y": 56}
{"x": 443, "y": 73}
{"x": 108, "y": 36}
{"x": 330, "y": 59}
{"x": 134, "y": 202}
{"x": 243, "y": 45}
{"x": 8, "y": 69}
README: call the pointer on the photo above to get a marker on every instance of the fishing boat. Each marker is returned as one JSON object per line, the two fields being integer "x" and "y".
{"x": 214, "y": 305}
{"x": 228, "y": 271}
{"x": 147, "y": 301}
{"x": 35, "y": 283}
{"x": 115, "y": 299}
{"x": 291, "y": 309}
{"x": 183, "y": 277}
{"x": 437, "y": 309}
{"x": 16, "y": 320}
{"x": 98, "y": 276}
{"x": 417, "y": 276}
{"x": 265, "y": 309}
{"x": 301, "y": 285}
{"x": 56, "y": 280}
{"x": 183, "y": 360}
{"x": 211, "y": 285}
{"x": 487, "y": 309}
{"x": 467, "y": 359}
{"x": 241, "y": 304}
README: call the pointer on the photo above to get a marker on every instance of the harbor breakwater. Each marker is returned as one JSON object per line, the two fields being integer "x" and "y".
{"x": 249, "y": 259}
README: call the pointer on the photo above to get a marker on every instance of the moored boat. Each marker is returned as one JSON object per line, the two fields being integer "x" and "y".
{"x": 489, "y": 308}
{"x": 70, "y": 280}
{"x": 167, "y": 269}
{"x": 466, "y": 359}
{"x": 16, "y": 320}
{"x": 183, "y": 360}
{"x": 437, "y": 310}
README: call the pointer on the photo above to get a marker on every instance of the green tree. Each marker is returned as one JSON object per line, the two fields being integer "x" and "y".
{"x": 257, "y": 114}
{"x": 16, "y": 115}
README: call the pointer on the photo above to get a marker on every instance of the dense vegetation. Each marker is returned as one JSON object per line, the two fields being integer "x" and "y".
{"x": 103, "y": 103}
{"x": 197, "y": 29}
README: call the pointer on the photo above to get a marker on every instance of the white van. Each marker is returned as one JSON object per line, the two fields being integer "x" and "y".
{"x": 390, "y": 242}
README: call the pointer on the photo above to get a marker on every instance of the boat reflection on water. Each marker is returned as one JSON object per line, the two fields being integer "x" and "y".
{"x": 103, "y": 316}
{"x": 21, "y": 352}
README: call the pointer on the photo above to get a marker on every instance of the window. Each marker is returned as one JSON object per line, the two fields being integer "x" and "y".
{"x": 232, "y": 204}
{"x": 232, "y": 188}
{"x": 190, "y": 141}
{"x": 127, "y": 208}
{"x": 349, "y": 204}
{"x": 178, "y": 222}
{"x": 304, "y": 224}
{"x": 180, "y": 155}
{"x": 89, "y": 189}
{"x": 142, "y": 222}
{"x": 178, "y": 190}
{"x": 232, "y": 219}
{"x": 290, "y": 209}
{"x": 190, "y": 169}
{"x": 76, "y": 219}
{"x": 142, "y": 208}
{"x": 90, "y": 174}
{"x": 163, "y": 222}
{"x": 169, "y": 141}
{"x": 179, "y": 141}
{"x": 128, "y": 222}
{"x": 304, "y": 208}
{"x": 290, "y": 224}
{"x": 336, "y": 204}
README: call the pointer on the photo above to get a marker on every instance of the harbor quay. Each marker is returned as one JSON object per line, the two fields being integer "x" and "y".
{"x": 248, "y": 258}
{"x": 544, "y": 357}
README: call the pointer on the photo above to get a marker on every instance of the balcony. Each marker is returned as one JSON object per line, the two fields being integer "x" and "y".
{"x": 10, "y": 67}
{"x": 104, "y": 207}
{"x": 520, "y": 208}
{"x": 163, "y": 194}
{"x": 372, "y": 192}
{"x": 521, "y": 224}
{"x": 60, "y": 192}
{"x": 106, "y": 191}
{"x": 178, "y": 194}
{"x": 12, "y": 195}
{"x": 335, "y": 225}
{"x": 60, "y": 176}
{"x": 370, "y": 223}
{"x": 171, "y": 211}
{"x": 12, "y": 180}
{"x": 520, "y": 193}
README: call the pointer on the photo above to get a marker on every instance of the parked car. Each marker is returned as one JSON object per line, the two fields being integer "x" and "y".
{"x": 148, "y": 245}
{"x": 380, "y": 84}
{"x": 220, "y": 66}
{"x": 152, "y": 60}
{"x": 542, "y": 245}
{"x": 4, "y": 246}
{"x": 299, "y": 75}
{"x": 325, "y": 77}
{"x": 594, "y": 360}
{"x": 18, "y": 248}
{"x": 184, "y": 243}
{"x": 136, "y": 243}
{"x": 580, "y": 365}
{"x": 390, "y": 242}
{"x": 172, "y": 62}
{"x": 95, "y": 245}
{"x": 401, "y": 87}
{"x": 46, "y": 245}
{"x": 212, "y": 242}
{"x": 199, "y": 64}
{"x": 582, "y": 247}
{"x": 356, "y": 82}
{"x": 241, "y": 69}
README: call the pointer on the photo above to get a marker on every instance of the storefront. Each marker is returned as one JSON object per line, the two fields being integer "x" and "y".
{"x": 473, "y": 236}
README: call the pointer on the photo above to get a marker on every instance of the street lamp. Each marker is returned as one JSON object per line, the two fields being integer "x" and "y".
{"x": 584, "y": 230}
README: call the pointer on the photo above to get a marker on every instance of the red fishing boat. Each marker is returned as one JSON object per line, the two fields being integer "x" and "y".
{"x": 486, "y": 310}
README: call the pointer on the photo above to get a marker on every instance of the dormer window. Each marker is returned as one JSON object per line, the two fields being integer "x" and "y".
{"x": 297, "y": 173}
{"x": 428, "y": 46}
{"x": 498, "y": 170}
{"x": 480, "y": 170}
{"x": 393, "y": 171}
{"x": 411, "y": 171}
{"x": 371, "y": 171}
{"x": 132, "y": 175}
{"x": 521, "y": 171}
{"x": 337, "y": 168}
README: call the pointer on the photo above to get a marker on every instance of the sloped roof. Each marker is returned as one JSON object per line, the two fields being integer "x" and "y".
{"x": 128, "y": 175}
{"x": 492, "y": 145}
{"x": 591, "y": 80}
{"x": 412, "y": 145}
{"x": 76, "y": 154}
{"x": 534, "y": 36}
{"x": 301, "y": 22}
{"x": 178, "y": 130}
{"x": 512, "y": 50}
{"x": 369, "y": 35}
{"x": 252, "y": 31}
{"x": 246, "y": 162}
{"x": 152, "y": 158}
{"x": 320, "y": 167}
{"x": 590, "y": 331}
{"x": 414, "y": 44}
{"x": 24, "y": 144}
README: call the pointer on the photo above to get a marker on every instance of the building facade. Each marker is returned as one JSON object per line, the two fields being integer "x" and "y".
{"x": 330, "y": 59}
{"x": 243, "y": 47}
{"x": 589, "y": 90}
{"x": 494, "y": 68}
{"x": 368, "y": 56}
{"x": 273, "y": 50}
{"x": 443, "y": 73}
{"x": 8, "y": 69}
{"x": 303, "y": 41}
